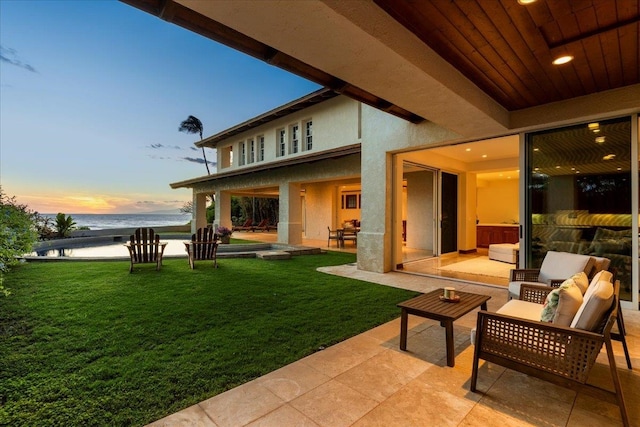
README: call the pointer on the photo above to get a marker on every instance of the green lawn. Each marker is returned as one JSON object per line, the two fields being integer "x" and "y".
{"x": 87, "y": 343}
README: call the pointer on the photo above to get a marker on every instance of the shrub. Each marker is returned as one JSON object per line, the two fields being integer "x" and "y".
{"x": 17, "y": 233}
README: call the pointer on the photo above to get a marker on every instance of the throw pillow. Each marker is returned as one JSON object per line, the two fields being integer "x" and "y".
{"x": 551, "y": 302}
{"x": 597, "y": 301}
{"x": 569, "y": 302}
{"x": 582, "y": 281}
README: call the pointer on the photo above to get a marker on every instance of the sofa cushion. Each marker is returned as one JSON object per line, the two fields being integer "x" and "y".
{"x": 522, "y": 309}
{"x": 562, "y": 265}
{"x": 516, "y": 308}
{"x": 597, "y": 301}
{"x": 562, "y": 304}
{"x": 601, "y": 275}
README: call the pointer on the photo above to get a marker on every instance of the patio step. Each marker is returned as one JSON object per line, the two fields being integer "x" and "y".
{"x": 273, "y": 255}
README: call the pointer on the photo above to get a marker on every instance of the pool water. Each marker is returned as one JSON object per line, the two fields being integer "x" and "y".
{"x": 105, "y": 250}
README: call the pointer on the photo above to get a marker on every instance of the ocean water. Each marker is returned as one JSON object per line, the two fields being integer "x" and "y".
{"x": 105, "y": 221}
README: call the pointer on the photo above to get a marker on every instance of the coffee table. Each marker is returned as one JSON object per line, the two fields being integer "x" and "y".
{"x": 430, "y": 306}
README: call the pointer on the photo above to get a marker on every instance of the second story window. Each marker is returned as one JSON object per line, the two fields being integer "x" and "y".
{"x": 282, "y": 143}
{"x": 243, "y": 154}
{"x": 308, "y": 135}
{"x": 295, "y": 139}
{"x": 252, "y": 151}
{"x": 260, "y": 148}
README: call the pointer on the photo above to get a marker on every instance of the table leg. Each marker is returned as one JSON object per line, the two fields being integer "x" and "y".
{"x": 483, "y": 306}
{"x": 451, "y": 355}
{"x": 403, "y": 329}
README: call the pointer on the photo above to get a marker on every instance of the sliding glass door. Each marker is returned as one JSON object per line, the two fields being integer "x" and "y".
{"x": 579, "y": 195}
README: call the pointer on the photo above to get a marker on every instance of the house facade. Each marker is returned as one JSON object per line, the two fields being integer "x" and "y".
{"x": 305, "y": 153}
{"x": 485, "y": 77}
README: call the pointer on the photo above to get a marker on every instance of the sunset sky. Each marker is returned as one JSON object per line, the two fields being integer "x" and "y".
{"x": 91, "y": 97}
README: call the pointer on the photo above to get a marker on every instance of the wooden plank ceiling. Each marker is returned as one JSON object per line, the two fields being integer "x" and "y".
{"x": 507, "y": 48}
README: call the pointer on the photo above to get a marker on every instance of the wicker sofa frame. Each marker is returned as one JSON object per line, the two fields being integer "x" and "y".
{"x": 557, "y": 354}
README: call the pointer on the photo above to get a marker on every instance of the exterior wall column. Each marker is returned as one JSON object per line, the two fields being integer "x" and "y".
{"x": 374, "y": 238}
{"x": 223, "y": 209}
{"x": 290, "y": 211}
{"x": 199, "y": 212}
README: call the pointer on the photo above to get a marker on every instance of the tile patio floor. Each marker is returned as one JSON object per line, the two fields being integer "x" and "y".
{"x": 368, "y": 381}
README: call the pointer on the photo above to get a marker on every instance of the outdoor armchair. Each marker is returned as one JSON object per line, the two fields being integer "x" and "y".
{"x": 555, "y": 269}
{"x": 515, "y": 338}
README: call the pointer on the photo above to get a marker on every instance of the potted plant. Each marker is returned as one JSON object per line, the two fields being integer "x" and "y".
{"x": 224, "y": 234}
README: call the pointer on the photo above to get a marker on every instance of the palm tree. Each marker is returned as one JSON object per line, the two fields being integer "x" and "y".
{"x": 194, "y": 125}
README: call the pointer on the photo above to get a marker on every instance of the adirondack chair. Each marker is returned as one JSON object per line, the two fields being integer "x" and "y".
{"x": 145, "y": 247}
{"x": 203, "y": 246}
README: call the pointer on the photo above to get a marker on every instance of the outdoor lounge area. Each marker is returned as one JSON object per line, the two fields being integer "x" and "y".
{"x": 367, "y": 380}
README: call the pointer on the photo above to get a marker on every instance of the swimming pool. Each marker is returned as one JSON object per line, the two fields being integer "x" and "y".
{"x": 100, "y": 249}
{"x": 112, "y": 247}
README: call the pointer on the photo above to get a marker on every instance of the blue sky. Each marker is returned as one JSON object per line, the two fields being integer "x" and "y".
{"x": 91, "y": 97}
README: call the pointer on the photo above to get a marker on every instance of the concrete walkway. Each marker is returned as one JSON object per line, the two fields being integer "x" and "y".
{"x": 368, "y": 381}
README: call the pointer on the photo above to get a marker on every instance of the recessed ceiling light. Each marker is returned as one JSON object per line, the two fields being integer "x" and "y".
{"x": 619, "y": 169}
{"x": 526, "y": 2}
{"x": 600, "y": 140}
{"x": 484, "y": 156}
{"x": 609, "y": 157}
{"x": 593, "y": 126}
{"x": 536, "y": 149}
{"x": 468, "y": 149}
{"x": 573, "y": 169}
{"x": 536, "y": 169}
{"x": 557, "y": 167}
{"x": 562, "y": 59}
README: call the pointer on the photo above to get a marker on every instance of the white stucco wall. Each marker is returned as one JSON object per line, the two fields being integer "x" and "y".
{"x": 383, "y": 134}
{"x": 498, "y": 201}
{"x": 335, "y": 124}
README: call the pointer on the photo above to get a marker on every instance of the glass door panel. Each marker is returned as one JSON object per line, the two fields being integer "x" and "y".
{"x": 579, "y": 194}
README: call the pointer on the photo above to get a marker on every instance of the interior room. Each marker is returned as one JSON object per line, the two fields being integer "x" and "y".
{"x": 488, "y": 206}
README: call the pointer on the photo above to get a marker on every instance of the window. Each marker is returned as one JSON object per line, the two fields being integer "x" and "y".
{"x": 295, "y": 141}
{"x": 308, "y": 135}
{"x": 243, "y": 154}
{"x": 260, "y": 148}
{"x": 252, "y": 151}
{"x": 282, "y": 143}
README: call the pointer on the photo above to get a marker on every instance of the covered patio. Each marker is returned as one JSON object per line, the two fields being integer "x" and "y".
{"x": 367, "y": 380}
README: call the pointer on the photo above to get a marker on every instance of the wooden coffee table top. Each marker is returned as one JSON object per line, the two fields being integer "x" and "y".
{"x": 429, "y": 305}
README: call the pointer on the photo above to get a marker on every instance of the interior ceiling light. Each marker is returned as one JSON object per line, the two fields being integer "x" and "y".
{"x": 526, "y": 2}
{"x": 600, "y": 140}
{"x": 468, "y": 149}
{"x": 619, "y": 169}
{"x": 484, "y": 156}
{"x": 593, "y": 126}
{"x": 562, "y": 59}
{"x": 609, "y": 157}
{"x": 536, "y": 149}
{"x": 557, "y": 167}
